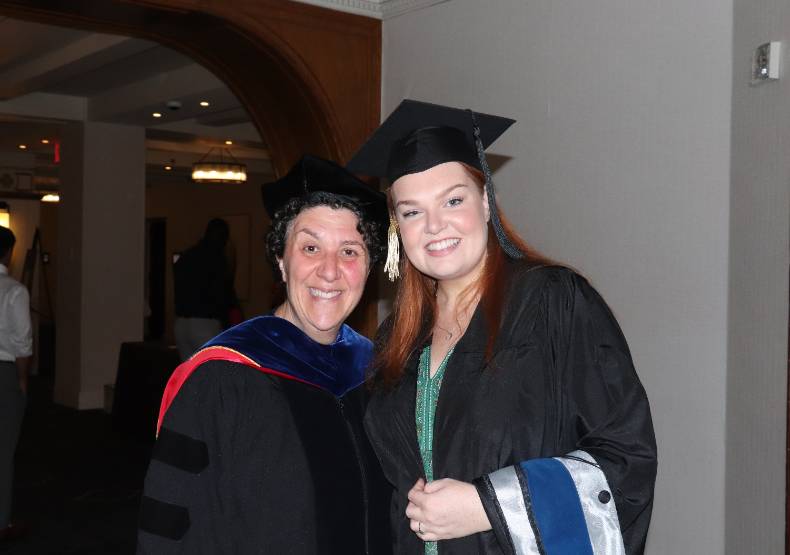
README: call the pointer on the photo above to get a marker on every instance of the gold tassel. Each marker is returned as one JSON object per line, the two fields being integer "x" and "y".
{"x": 393, "y": 251}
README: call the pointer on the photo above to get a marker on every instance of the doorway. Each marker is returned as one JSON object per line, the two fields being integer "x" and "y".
{"x": 155, "y": 261}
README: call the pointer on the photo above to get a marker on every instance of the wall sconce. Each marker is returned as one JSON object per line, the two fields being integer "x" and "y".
{"x": 5, "y": 215}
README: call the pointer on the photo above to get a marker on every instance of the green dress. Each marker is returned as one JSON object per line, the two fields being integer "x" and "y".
{"x": 427, "y": 395}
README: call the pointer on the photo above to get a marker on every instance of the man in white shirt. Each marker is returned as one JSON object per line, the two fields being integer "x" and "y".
{"x": 16, "y": 348}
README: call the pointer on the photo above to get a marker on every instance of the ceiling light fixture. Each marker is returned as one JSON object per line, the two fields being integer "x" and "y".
{"x": 44, "y": 141}
{"x": 205, "y": 103}
{"x": 51, "y": 197}
{"x": 228, "y": 142}
{"x": 220, "y": 171}
{"x": 22, "y": 147}
{"x": 168, "y": 168}
{"x": 157, "y": 114}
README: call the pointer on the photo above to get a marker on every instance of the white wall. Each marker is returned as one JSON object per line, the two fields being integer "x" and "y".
{"x": 100, "y": 264}
{"x": 759, "y": 235}
{"x": 620, "y": 167}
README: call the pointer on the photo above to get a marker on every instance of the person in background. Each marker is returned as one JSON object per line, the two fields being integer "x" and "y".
{"x": 506, "y": 409}
{"x": 204, "y": 296}
{"x": 16, "y": 349}
{"x": 260, "y": 443}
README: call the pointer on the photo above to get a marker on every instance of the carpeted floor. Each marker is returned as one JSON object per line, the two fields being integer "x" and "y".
{"x": 77, "y": 481}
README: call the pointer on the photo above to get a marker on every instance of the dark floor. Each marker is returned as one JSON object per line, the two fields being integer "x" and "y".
{"x": 77, "y": 481}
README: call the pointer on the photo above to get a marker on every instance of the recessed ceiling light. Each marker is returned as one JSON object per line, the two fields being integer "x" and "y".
{"x": 22, "y": 147}
{"x": 157, "y": 114}
{"x": 205, "y": 103}
{"x": 228, "y": 142}
{"x": 168, "y": 168}
{"x": 44, "y": 141}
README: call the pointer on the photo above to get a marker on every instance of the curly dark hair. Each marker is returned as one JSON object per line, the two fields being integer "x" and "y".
{"x": 371, "y": 231}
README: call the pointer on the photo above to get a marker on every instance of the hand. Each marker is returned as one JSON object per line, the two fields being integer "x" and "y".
{"x": 445, "y": 509}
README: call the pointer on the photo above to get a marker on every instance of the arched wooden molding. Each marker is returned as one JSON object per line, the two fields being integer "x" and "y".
{"x": 309, "y": 77}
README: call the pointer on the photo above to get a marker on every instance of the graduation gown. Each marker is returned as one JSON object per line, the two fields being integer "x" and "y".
{"x": 261, "y": 450}
{"x": 555, "y": 430}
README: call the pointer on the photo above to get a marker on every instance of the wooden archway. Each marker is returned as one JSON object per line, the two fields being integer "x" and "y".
{"x": 309, "y": 77}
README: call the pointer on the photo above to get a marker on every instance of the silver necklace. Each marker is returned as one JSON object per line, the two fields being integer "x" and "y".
{"x": 445, "y": 330}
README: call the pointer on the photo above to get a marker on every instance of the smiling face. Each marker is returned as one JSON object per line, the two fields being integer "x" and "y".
{"x": 442, "y": 215}
{"x": 324, "y": 267}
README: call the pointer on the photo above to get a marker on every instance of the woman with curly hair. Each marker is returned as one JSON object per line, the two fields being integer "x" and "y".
{"x": 260, "y": 443}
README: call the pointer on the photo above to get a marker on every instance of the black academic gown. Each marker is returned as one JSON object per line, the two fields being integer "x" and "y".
{"x": 249, "y": 461}
{"x": 550, "y": 430}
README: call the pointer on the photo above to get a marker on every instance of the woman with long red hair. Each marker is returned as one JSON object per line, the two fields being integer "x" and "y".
{"x": 505, "y": 410}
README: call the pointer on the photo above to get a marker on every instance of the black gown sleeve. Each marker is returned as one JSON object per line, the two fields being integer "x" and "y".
{"x": 197, "y": 496}
{"x": 595, "y": 495}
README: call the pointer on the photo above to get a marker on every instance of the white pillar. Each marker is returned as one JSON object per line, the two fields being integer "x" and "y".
{"x": 101, "y": 229}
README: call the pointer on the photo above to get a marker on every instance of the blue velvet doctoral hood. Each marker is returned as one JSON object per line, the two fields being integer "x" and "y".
{"x": 277, "y": 344}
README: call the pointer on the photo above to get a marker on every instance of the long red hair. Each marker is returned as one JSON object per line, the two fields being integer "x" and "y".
{"x": 414, "y": 312}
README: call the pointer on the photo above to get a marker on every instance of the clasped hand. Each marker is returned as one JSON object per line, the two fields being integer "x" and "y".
{"x": 445, "y": 509}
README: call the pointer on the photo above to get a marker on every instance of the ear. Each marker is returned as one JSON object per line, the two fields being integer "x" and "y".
{"x": 282, "y": 268}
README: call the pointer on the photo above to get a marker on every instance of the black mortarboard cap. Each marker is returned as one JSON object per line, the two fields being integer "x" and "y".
{"x": 312, "y": 174}
{"x": 418, "y": 136}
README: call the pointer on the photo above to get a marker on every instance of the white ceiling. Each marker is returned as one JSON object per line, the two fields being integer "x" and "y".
{"x": 379, "y": 9}
{"x": 50, "y": 75}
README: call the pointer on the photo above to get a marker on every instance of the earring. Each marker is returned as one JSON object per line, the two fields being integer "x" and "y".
{"x": 393, "y": 250}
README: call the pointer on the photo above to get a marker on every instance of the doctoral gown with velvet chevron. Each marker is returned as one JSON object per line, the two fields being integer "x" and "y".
{"x": 554, "y": 430}
{"x": 261, "y": 450}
